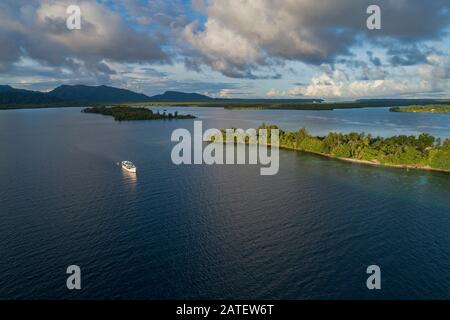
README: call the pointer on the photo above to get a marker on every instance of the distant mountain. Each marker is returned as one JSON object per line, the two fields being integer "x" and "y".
{"x": 76, "y": 95}
{"x": 6, "y": 89}
{"x": 82, "y": 95}
{"x": 175, "y": 96}
{"x": 96, "y": 94}
{"x": 12, "y": 96}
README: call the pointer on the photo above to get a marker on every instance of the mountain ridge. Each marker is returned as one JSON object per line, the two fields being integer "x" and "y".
{"x": 13, "y": 96}
{"x": 80, "y": 94}
{"x": 84, "y": 93}
{"x": 174, "y": 96}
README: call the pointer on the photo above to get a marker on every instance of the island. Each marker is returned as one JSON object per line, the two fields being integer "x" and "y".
{"x": 432, "y": 108}
{"x": 415, "y": 152}
{"x": 132, "y": 113}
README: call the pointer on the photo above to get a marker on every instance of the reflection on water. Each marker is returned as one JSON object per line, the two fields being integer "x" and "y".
{"x": 130, "y": 178}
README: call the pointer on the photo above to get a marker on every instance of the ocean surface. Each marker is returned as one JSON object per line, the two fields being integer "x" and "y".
{"x": 185, "y": 232}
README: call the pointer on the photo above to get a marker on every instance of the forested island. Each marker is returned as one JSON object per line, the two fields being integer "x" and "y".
{"x": 432, "y": 108}
{"x": 130, "y": 113}
{"x": 421, "y": 152}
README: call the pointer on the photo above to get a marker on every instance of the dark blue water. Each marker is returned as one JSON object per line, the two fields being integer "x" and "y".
{"x": 211, "y": 231}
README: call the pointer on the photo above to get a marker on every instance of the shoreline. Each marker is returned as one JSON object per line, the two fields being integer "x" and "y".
{"x": 358, "y": 161}
{"x": 329, "y": 156}
{"x": 433, "y": 108}
{"x": 368, "y": 162}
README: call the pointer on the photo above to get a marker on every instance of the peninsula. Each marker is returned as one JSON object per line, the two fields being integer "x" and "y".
{"x": 422, "y": 152}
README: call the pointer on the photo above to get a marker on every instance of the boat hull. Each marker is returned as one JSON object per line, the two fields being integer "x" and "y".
{"x": 127, "y": 167}
{"x": 133, "y": 170}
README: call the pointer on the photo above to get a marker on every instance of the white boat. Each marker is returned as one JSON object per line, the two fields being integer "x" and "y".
{"x": 128, "y": 166}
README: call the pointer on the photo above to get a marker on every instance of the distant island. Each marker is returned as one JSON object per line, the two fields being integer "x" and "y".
{"x": 93, "y": 96}
{"x": 432, "y": 108}
{"x": 130, "y": 113}
{"x": 295, "y": 104}
{"x": 422, "y": 152}
{"x": 357, "y": 104}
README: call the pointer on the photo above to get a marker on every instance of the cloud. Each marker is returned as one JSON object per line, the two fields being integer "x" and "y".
{"x": 406, "y": 56}
{"x": 224, "y": 93}
{"x": 337, "y": 85}
{"x": 170, "y": 14}
{"x": 241, "y": 36}
{"x": 319, "y": 46}
{"x": 143, "y": 78}
{"x": 374, "y": 60}
{"x": 214, "y": 46}
{"x": 273, "y": 93}
{"x": 362, "y": 70}
{"x": 344, "y": 81}
{"x": 436, "y": 68}
{"x": 37, "y": 30}
{"x": 361, "y": 88}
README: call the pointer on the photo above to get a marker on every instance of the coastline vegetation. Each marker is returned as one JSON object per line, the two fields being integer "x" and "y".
{"x": 230, "y": 104}
{"x": 419, "y": 152}
{"x": 287, "y": 104}
{"x": 432, "y": 108}
{"x": 130, "y": 113}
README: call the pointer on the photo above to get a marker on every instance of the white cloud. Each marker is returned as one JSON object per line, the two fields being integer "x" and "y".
{"x": 224, "y": 93}
{"x": 223, "y": 48}
{"x": 273, "y": 93}
{"x": 241, "y": 35}
{"x": 362, "y": 88}
{"x": 337, "y": 83}
{"x": 437, "y": 68}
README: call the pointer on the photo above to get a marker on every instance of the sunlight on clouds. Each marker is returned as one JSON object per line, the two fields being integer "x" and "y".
{"x": 234, "y": 48}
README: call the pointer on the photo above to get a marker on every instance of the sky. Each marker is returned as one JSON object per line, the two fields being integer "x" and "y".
{"x": 232, "y": 48}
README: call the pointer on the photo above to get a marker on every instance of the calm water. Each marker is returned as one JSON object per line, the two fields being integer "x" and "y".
{"x": 219, "y": 231}
{"x": 377, "y": 121}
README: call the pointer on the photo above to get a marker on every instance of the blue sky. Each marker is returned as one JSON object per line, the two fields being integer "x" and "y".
{"x": 234, "y": 48}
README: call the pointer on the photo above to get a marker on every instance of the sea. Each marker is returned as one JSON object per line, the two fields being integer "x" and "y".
{"x": 215, "y": 231}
